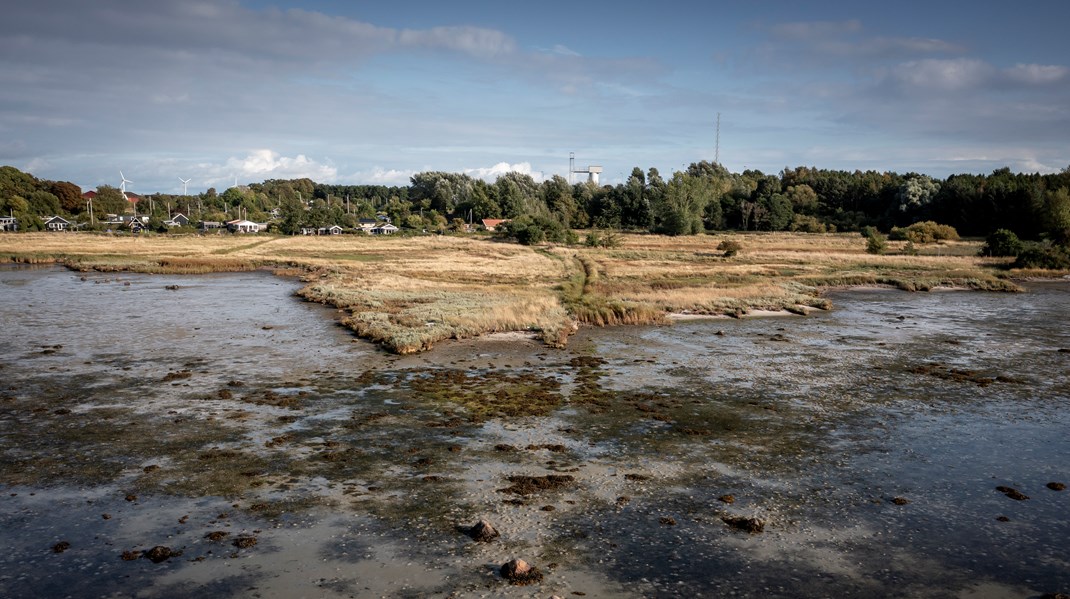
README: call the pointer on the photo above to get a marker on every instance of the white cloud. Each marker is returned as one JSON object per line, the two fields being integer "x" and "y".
{"x": 940, "y": 74}
{"x": 561, "y": 50}
{"x": 848, "y": 41}
{"x": 265, "y": 164}
{"x": 1037, "y": 74}
{"x": 815, "y": 30}
{"x": 492, "y": 173}
{"x": 382, "y": 176}
{"x": 475, "y": 41}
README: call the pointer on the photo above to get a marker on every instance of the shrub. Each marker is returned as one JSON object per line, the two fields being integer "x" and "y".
{"x": 1002, "y": 242}
{"x": 869, "y": 231}
{"x": 876, "y": 243}
{"x": 595, "y": 238}
{"x": 1043, "y": 255}
{"x": 730, "y": 248}
{"x": 924, "y": 232}
{"x": 804, "y": 223}
{"x": 531, "y": 230}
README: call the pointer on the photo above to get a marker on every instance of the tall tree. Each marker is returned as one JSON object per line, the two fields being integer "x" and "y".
{"x": 70, "y": 196}
{"x": 686, "y": 199}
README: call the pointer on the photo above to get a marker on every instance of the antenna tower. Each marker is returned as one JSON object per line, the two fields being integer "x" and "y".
{"x": 717, "y": 147}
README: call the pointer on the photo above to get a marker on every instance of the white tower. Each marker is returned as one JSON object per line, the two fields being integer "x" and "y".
{"x": 592, "y": 172}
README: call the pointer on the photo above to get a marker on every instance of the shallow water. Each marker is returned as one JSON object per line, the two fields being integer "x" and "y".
{"x": 228, "y": 405}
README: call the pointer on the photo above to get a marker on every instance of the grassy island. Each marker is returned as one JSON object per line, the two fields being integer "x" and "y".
{"x": 407, "y": 293}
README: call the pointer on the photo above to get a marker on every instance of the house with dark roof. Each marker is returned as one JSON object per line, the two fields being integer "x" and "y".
{"x": 178, "y": 220}
{"x": 57, "y": 223}
{"x": 384, "y": 229}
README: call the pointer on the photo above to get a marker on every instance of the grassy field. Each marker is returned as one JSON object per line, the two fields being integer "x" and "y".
{"x": 408, "y": 293}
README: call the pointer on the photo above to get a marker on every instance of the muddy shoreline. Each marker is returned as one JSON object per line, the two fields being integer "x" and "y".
{"x": 355, "y": 470}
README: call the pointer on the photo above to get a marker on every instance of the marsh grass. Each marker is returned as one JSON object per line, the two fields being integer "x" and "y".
{"x": 409, "y": 293}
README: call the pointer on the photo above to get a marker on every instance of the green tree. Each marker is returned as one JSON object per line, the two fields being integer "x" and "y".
{"x": 43, "y": 203}
{"x": 291, "y": 215}
{"x": 1057, "y": 215}
{"x": 557, "y": 194}
{"x": 634, "y": 205}
{"x": 775, "y": 213}
{"x": 518, "y": 194}
{"x": 876, "y": 243}
{"x": 916, "y": 192}
{"x": 803, "y": 199}
{"x": 686, "y": 198}
{"x": 14, "y": 182}
{"x": 109, "y": 200}
{"x": 1002, "y": 242}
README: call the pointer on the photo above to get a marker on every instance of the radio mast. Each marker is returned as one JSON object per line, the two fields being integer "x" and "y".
{"x": 717, "y": 147}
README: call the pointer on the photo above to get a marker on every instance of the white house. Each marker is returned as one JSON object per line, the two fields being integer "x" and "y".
{"x": 9, "y": 223}
{"x": 384, "y": 229}
{"x": 243, "y": 226}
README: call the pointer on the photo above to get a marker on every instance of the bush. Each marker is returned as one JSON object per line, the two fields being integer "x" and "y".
{"x": 1002, "y": 242}
{"x": 730, "y": 248}
{"x": 924, "y": 232}
{"x": 595, "y": 238}
{"x": 876, "y": 243}
{"x": 804, "y": 223}
{"x": 1043, "y": 255}
{"x": 869, "y": 231}
{"x": 528, "y": 230}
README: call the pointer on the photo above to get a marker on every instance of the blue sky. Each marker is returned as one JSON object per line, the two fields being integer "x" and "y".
{"x": 372, "y": 92}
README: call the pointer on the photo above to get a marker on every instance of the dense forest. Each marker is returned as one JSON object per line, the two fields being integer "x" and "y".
{"x": 705, "y": 197}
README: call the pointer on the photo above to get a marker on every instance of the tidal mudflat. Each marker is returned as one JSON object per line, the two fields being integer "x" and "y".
{"x": 166, "y": 436}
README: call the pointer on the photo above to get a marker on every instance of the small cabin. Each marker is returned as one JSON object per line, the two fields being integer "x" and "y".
{"x": 57, "y": 223}
{"x": 384, "y": 229}
{"x": 243, "y": 226}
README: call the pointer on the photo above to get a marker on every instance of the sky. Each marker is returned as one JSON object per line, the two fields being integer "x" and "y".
{"x": 362, "y": 92}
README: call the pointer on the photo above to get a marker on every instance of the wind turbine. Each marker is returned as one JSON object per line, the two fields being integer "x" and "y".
{"x": 122, "y": 185}
{"x": 185, "y": 182}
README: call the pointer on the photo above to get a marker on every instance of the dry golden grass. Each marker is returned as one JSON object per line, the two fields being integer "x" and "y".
{"x": 410, "y": 292}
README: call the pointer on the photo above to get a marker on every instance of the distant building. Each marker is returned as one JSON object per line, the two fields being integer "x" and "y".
{"x": 57, "y": 223}
{"x": 243, "y": 226}
{"x": 367, "y": 224}
{"x": 178, "y": 220}
{"x": 491, "y": 224}
{"x": 384, "y": 229}
{"x": 9, "y": 223}
{"x": 313, "y": 230}
{"x": 123, "y": 220}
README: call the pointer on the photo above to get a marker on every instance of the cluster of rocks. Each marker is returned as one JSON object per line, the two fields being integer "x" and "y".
{"x": 516, "y": 571}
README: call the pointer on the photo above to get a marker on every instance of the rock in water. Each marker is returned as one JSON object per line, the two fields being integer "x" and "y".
{"x": 1013, "y": 493}
{"x": 519, "y": 572}
{"x": 483, "y": 531}
{"x": 751, "y": 525}
{"x": 160, "y": 553}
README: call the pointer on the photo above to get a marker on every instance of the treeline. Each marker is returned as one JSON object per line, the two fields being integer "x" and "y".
{"x": 704, "y": 197}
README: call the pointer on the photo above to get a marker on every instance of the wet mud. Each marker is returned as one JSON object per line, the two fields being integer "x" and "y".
{"x": 231, "y": 439}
